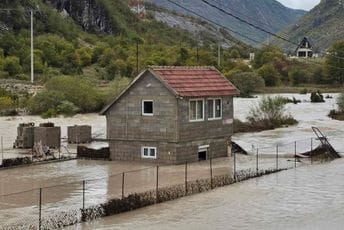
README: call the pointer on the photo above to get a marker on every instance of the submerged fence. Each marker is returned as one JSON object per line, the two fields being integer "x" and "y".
{"x": 69, "y": 203}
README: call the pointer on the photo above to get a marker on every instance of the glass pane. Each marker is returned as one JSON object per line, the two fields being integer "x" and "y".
{"x": 199, "y": 110}
{"x": 152, "y": 152}
{"x": 148, "y": 107}
{"x": 145, "y": 151}
{"x": 218, "y": 108}
{"x": 210, "y": 109}
{"x": 192, "y": 110}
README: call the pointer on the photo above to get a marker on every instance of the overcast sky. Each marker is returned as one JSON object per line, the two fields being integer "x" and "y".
{"x": 300, "y": 4}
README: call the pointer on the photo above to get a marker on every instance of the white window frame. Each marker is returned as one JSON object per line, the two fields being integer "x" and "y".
{"x": 192, "y": 100}
{"x": 149, "y": 148}
{"x": 143, "y": 108}
{"x": 214, "y": 109}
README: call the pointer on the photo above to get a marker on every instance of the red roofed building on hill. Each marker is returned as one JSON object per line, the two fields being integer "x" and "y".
{"x": 172, "y": 115}
{"x": 138, "y": 7}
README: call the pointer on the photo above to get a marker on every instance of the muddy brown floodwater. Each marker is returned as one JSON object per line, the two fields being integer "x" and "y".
{"x": 265, "y": 203}
{"x": 304, "y": 198}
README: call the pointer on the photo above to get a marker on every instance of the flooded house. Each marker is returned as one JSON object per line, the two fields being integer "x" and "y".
{"x": 172, "y": 115}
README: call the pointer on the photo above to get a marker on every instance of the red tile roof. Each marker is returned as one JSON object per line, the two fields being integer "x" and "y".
{"x": 195, "y": 81}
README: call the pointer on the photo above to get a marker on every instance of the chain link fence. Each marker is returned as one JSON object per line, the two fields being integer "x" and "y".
{"x": 66, "y": 204}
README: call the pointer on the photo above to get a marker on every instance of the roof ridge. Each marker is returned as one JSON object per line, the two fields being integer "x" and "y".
{"x": 182, "y": 67}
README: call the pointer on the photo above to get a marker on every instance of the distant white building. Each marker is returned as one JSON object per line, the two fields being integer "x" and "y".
{"x": 304, "y": 50}
{"x": 138, "y": 7}
{"x": 252, "y": 56}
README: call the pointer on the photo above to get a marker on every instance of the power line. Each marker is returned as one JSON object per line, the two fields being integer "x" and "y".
{"x": 260, "y": 28}
{"x": 240, "y": 34}
{"x": 240, "y": 13}
{"x": 213, "y": 22}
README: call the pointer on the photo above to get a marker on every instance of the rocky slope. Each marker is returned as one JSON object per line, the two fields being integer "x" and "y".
{"x": 268, "y": 14}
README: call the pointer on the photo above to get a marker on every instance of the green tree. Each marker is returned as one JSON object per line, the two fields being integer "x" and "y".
{"x": 270, "y": 75}
{"x": 12, "y": 65}
{"x": 247, "y": 82}
{"x": 6, "y": 103}
{"x": 335, "y": 63}
{"x": 45, "y": 100}
{"x": 298, "y": 76}
{"x": 78, "y": 91}
{"x": 266, "y": 55}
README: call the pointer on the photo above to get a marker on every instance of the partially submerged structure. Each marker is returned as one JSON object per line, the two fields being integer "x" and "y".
{"x": 172, "y": 115}
{"x": 79, "y": 134}
{"x": 47, "y": 134}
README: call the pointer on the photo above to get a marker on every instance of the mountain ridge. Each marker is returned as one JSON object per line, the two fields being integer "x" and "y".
{"x": 322, "y": 25}
{"x": 270, "y": 14}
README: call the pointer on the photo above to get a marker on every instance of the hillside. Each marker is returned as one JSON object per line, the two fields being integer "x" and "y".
{"x": 96, "y": 39}
{"x": 269, "y": 14}
{"x": 323, "y": 25}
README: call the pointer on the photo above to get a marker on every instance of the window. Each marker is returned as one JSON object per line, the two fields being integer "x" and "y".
{"x": 196, "y": 110}
{"x": 148, "y": 152}
{"x": 214, "y": 109}
{"x": 147, "y": 108}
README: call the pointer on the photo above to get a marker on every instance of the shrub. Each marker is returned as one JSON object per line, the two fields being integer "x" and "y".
{"x": 271, "y": 113}
{"x": 340, "y": 102}
{"x": 317, "y": 97}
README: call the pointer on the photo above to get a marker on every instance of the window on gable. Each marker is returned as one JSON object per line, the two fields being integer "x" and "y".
{"x": 147, "y": 107}
{"x": 196, "y": 110}
{"x": 214, "y": 109}
{"x": 148, "y": 152}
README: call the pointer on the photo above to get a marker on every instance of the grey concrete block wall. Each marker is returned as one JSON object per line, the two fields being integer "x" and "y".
{"x": 169, "y": 130}
{"x": 79, "y": 134}
{"x": 49, "y": 136}
{"x": 125, "y": 119}
{"x": 189, "y": 131}
{"x": 131, "y": 151}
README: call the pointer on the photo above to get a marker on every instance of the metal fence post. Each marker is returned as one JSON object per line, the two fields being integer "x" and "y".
{"x": 40, "y": 210}
{"x": 310, "y": 155}
{"x": 277, "y": 157}
{"x": 83, "y": 194}
{"x": 295, "y": 155}
{"x": 123, "y": 185}
{"x": 257, "y": 164}
{"x": 211, "y": 173}
{"x": 186, "y": 178}
{"x": 234, "y": 165}
{"x": 2, "y": 150}
{"x": 157, "y": 184}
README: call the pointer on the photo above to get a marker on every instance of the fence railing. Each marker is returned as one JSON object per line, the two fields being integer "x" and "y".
{"x": 58, "y": 205}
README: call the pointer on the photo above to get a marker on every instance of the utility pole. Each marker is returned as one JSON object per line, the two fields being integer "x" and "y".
{"x": 219, "y": 55}
{"x": 32, "y": 61}
{"x": 2, "y": 150}
{"x": 137, "y": 56}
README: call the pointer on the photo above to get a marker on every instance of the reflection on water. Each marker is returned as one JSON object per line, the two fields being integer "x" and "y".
{"x": 305, "y": 198}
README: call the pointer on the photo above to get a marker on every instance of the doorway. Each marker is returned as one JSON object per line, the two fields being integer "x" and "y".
{"x": 202, "y": 155}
